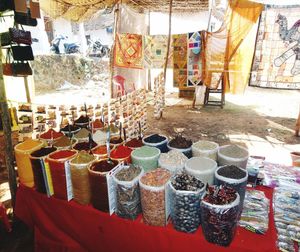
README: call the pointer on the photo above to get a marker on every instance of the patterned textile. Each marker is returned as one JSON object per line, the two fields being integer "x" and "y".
{"x": 129, "y": 51}
{"x": 180, "y": 60}
{"x": 277, "y": 56}
{"x": 194, "y": 59}
{"x": 155, "y": 51}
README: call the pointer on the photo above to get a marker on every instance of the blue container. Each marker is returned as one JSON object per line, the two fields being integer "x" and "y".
{"x": 162, "y": 145}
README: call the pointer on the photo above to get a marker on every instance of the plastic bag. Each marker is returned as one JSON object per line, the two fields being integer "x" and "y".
{"x": 219, "y": 221}
{"x": 255, "y": 215}
{"x": 185, "y": 207}
{"x": 127, "y": 192}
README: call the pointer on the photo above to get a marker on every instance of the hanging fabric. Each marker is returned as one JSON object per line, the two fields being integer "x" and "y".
{"x": 180, "y": 59}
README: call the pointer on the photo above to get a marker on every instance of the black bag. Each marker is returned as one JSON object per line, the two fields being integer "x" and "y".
{"x": 21, "y": 69}
{"x": 6, "y": 5}
{"x": 20, "y": 36}
{"x": 25, "y": 19}
{"x": 22, "y": 53}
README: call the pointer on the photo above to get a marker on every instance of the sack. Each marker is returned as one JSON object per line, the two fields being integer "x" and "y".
{"x": 7, "y": 69}
{"x": 21, "y": 69}
{"x": 5, "y": 39}
{"x": 21, "y": 53}
{"x": 20, "y": 36}
{"x": 25, "y": 19}
{"x": 6, "y": 5}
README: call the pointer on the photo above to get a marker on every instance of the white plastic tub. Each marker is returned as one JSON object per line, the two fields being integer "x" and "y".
{"x": 202, "y": 168}
{"x": 205, "y": 149}
{"x": 224, "y": 159}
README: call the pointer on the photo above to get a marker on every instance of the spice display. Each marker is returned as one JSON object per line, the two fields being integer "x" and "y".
{"x": 69, "y": 130}
{"x": 82, "y": 120}
{"x": 22, "y": 152}
{"x": 122, "y": 153}
{"x": 234, "y": 177}
{"x": 100, "y": 137}
{"x": 219, "y": 214}
{"x": 114, "y": 130}
{"x": 173, "y": 160}
{"x": 97, "y": 124}
{"x": 97, "y": 174}
{"x": 202, "y": 168}
{"x": 37, "y": 159}
{"x": 233, "y": 155}
{"x": 82, "y": 134}
{"x": 101, "y": 151}
{"x": 51, "y": 134}
{"x": 146, "y": 157}
{"x": 86, "y": 146}
{"x": 287, "y": 215}
{"x": 152, "y": 188}
{"x": 116, "y": 140}
{"x": 180, "y": 142}
{"x": 128, "y": 192}
{"x": 64, "y": 142}
{"x": 134, "y": 143}
{"x": 157, "y": 141}
{"x": 185, "y": 193}
{"x": 60, "y": 172}
{"x": 205, "y": 149}
{"x": 80, "y": 177}
{"x": 255, "y": 215}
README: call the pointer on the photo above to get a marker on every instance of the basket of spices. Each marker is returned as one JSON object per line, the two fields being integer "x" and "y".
{"x": 235, "y": 177}
{"x": 202, "y": 168}
{"x": 173, "y": 161}
{"x": 134, "y": 143}
{"x": 82, "y": 135}
{"x": 219, "y": 214}
{"x": 98, "y": 181}
{"x": 50, "y": 136}
{"x": 64, "y": 143}
{"x": 82, "y": 121}
{"x": 158, "y": 141}
{"x": 100, "y": 152}
{"x": 185, "y": 192}
{"x": 37, "y": 159}
{"x": 97, "y": 125}
{"x": 205, "y": 149}
{"x": 59, "y": 164}
{"x": 100, "y": 137}
{"x": 86, "y": 146}
{"x": 69, "y": 130}
{"x": 80, "y": 177}
{"x": 181, "y": 144}
{"x": 116, "y": 141}
{"x": 152, "y": 189}
{"x": 128, "y": 192}
{"x": 233, "y": 155}
{"x": 145, "y": 157}
{"x": 121, "y": 154}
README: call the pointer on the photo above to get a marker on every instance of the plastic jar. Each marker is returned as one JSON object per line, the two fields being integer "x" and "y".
{"x": 145, "y": 157}
{"x": 202, "y": 168}
{"x": 158, "y": 141}
{"x": 233, "y": 155}
{"x": 205, "y": 149}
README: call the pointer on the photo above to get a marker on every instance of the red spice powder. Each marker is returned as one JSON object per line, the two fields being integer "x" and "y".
{"x": 97, "y": 124}
{"x": 134, "y": 143}
{"x": 50, "y": 133}
{"x": 121, "y": 152}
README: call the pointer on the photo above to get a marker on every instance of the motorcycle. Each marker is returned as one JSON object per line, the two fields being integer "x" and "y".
{"x": 97, "y": 49}
{"x": 68, "y": 48}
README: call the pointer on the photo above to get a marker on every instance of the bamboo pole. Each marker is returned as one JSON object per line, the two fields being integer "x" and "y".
{"x": 7, "y": 138}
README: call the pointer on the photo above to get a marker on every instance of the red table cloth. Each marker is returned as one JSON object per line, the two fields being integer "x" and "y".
{"x": 67, "y": 226}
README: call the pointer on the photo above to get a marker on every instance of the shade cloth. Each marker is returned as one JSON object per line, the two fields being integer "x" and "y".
{"x": 66, "y": 225}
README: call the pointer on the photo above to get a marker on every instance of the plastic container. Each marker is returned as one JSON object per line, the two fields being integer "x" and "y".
{"x": 238, "y": 156}
{"x": 238, "y": 184}
{"x": 202, "y": 168}
{"x": 128, "y": 194}
{"x": 185, "y": 208}
{"x": 22, "y": 153}
{"x": 80, "y": 177}
{"x": 97, "y": 174}
{"x": 173, "y": 161}
{"x": 205, "y": 149}
{"x": 152, "y": 189}
{"x": 145, "y": 157}
{"x": 219, "y": 222}
{"x": 187, "y": 151}
{"x": 37, "y": 159}
{"x": 162, "y": 145}
{"x": 59, "y": 164}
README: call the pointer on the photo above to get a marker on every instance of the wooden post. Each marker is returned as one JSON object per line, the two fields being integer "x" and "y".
{"x": 7, "y": 138}
{"x": 28, "y": 98}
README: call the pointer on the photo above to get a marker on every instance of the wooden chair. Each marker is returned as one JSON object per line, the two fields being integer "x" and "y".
{"x": 220, "y": 90}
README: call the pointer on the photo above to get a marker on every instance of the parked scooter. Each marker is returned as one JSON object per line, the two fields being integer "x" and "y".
{"x": 97, "y": 49}
{"x": 68, "y": 48}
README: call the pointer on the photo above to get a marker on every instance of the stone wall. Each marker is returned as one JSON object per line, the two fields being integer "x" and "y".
{"x": 51, "y": 71}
